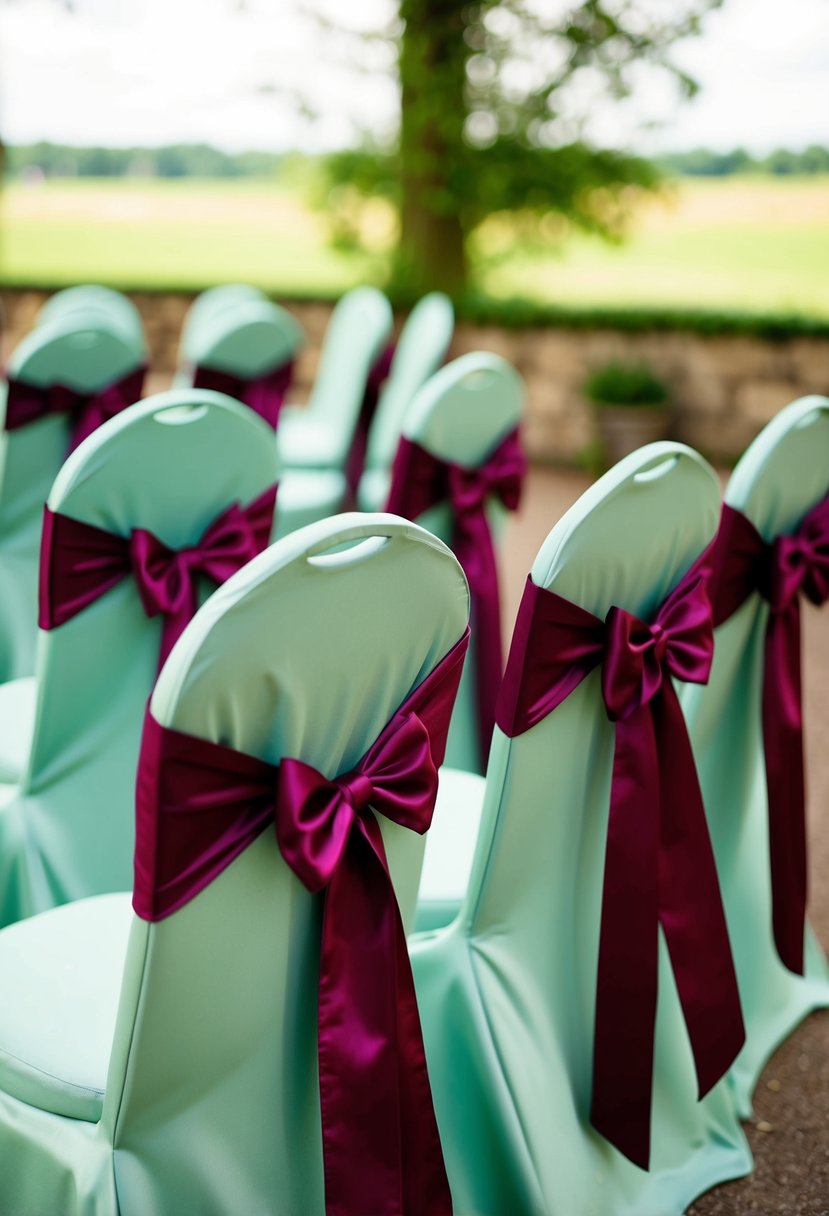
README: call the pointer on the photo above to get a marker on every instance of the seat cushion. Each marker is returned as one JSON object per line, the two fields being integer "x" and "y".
{"x": 60, "y": 975}
{"x": 17, "y": 718}
{"x": 450, "y": 847}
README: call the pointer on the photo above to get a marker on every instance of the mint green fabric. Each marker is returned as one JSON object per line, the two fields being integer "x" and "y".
{"x": 450, "y": 848}
{"x": 83, "y": 302}
{"x": 17, "y": 720}
{"x": 86, "y": 357}
{"x": 507, "y": 991}
{"x": 246, "y": 338}
{"x": 461, "y": 414}
{"x": 171, "y": 464}
{"x": 420, "y": 350}
{"x": 780, "y": 477}
{"x": 319, "y": 435}
{"x": 209, "y": 304}
{"x": 210, "y": 1100}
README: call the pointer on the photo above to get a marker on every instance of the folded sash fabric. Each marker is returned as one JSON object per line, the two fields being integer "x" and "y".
{"x": 27, "y": 403}
{"x": 357, "y": 453}
{"x": 79, "y": 563}
{"x": 421, "y": 480}
{"x": 200, "y": 804}
{"x": 264, "y": 394}
{"x": 659, "y": 863}
{"x": 742, "y": 564}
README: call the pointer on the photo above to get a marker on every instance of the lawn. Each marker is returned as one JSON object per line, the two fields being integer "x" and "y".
{"x": 749, "y": 244}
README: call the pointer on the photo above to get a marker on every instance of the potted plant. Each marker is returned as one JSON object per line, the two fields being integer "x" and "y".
{"x": 631, "y": 406}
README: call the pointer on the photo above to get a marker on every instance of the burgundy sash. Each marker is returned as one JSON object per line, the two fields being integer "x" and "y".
{"x": 27, "y": 403}
{"x": 357, "y": 453}
{"x": 743, "y": 563}
{"x": 79, "y": 563}
{"x": 264, "y": 394}
{"x": 659, "y": 864}
{"x": 421, "y": 480}
{"x": 200, "y": 804}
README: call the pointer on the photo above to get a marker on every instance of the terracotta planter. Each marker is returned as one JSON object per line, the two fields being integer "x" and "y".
{"x": 624, "y": 428}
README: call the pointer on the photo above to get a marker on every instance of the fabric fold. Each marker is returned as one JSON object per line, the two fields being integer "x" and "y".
{"x": 26, "y": 403}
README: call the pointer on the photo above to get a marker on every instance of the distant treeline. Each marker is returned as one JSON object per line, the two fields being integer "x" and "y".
{"x": 202, "y": 160}
{"x": 702, "y": 162}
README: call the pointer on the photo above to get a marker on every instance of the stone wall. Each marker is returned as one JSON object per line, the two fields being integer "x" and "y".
{"x": 724, "y": 389}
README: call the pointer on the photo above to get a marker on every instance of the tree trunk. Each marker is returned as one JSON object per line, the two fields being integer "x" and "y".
{"x": 432, "y": 61}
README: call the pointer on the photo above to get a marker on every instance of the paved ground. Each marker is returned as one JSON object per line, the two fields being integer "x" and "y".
{"x": 790, "y": 1133}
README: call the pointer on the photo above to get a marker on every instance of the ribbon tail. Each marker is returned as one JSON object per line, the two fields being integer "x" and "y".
{"x": 783, "y": 749}
{"x": 476, "y": 553}
{"x": 691, "y": 911}
{"x": 172, "y": 627}
{"x": 626, "y": 985}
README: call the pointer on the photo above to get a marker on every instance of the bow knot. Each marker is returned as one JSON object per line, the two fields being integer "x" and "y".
{"x": 26, "y": 403}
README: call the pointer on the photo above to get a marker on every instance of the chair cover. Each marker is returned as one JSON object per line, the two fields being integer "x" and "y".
{"x": 117, "y": 310}
{"x": 462, "y": 417}
{"x": 421, "y": 349}
{"x": 319, "y": 435}
{"x": 507, "y": 992}
{"x": 87, "y": 358}
{"x": 206, "y": 306}
{"x": 779, "y": 479}
{"x": 201, "y": 1094}
{"x": 171, "y": 465}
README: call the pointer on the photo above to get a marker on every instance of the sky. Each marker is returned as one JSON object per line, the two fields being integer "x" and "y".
{"x": 228, "y": 72}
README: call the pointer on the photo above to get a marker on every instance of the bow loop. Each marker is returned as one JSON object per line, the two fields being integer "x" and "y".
{"x": 26, "y": 403}
{"x": 800, "y": 563}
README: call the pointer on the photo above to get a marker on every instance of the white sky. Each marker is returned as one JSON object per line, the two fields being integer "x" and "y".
{"x": 162, "y": 71}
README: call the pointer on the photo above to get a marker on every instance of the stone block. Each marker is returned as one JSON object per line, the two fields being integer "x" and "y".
{"x": 810, "y": 364}
{"x": 757, "y": 401}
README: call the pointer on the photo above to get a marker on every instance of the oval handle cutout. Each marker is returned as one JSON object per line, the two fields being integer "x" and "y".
{"x": 180, "y": 415}
{"x": 347, "y": 552}
{"x": 645, "y": 476}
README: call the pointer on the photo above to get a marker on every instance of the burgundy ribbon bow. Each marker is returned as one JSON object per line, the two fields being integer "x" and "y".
{"x": 743, "y": 563}
{"x": 419, "y": 481}
{"x": 27, "y": 403}
{"x": 264, "y": 394}
{"x": 79, "y": 563}
{"x": 659, "y": 863}
{"x": 200, "y": 804}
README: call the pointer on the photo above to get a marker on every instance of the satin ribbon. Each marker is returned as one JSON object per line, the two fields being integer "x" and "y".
{"x": 200, "y": 804}
{"x": 782, "y": 571}
{"x": 357, "y": 453}
{"x": 79, "y": 563}
{"x": 264, "y": 394}
{"x": 659, "y": 863}
{"x": 27, "y": 403}
{"x": 421, "y": 480}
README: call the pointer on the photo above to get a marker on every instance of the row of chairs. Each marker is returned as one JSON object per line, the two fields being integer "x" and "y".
{"x": 171, "y": 1058}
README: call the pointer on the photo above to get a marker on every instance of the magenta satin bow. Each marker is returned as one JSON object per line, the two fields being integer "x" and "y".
{"x": 743, "y": 563}
{"x": 659, "y": 864}
{"x": 79, "y": 563}
{"x": 27, "y": 403}
{"x": 264, "y": 394}
{"x": 419, "y": 481}
{"x": 201, "y": 804}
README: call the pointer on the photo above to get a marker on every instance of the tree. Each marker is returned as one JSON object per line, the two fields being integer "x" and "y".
{"x": 495, "y": 105}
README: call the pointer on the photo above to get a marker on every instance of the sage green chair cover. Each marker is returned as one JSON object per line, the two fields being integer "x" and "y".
{"x": 86, "y": 356}
{"x": 246, "y": 338}
{"x": 208, "y": 304}
{"x": 171, "y": 1068}
{"x": 462, "y": 414}
{"x": 421, "y": 349}
{"x": 780, "y": 477}
{"x": 319, "y": 435}
{"x": 169, "y": 464}
{"x": 507, "y": 991}
{"x": 116, "y": 310}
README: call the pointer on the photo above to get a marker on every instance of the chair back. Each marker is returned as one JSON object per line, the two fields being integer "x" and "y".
{"x": 524, "y": 948}
{"x": 421, "y": 348}
{"x": 85, "y": 352}
{"x": 245, "y": 339}
{"x": 114, "y": 306}
{"x": 212, "y": 1091}
{"x": 209, "y": 304}
{"x": 170, "y": 464}
{"x": 780, "y": 477}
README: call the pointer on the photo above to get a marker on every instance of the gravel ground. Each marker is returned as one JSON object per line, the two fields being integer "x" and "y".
{"x": 789, "y": 1134}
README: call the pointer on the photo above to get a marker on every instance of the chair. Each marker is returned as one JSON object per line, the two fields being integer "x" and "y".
{"x": 458, "y": 466}
{"x": 169, "y": 1065}
{"x": 63, "y": 379}
{"x": 170, "y": 466}
{"x": 420, "y": 350}
{"x": 245, "y": 350}
{"x": 81, "y": 302}
{"x": 320, "y": 435}
{"x": 516, "y": 996}
{"x": 209, "y": 304}
{"x": 775, "y": 486}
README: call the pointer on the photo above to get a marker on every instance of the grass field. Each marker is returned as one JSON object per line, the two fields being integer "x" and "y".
{"x": 749, "y": 244}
